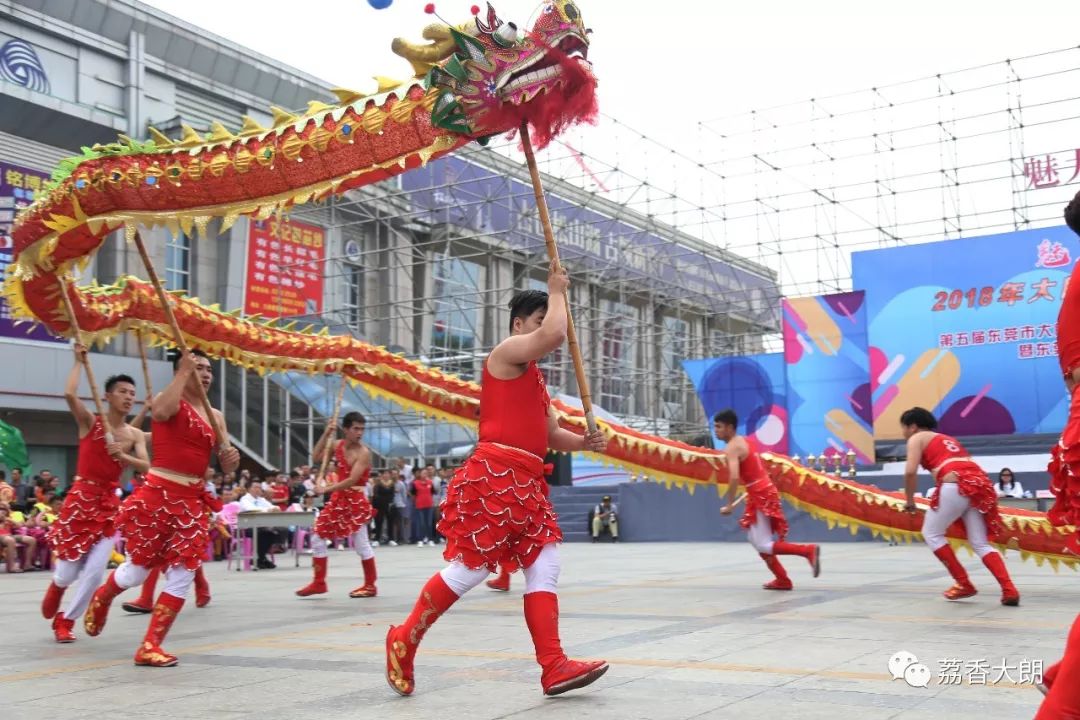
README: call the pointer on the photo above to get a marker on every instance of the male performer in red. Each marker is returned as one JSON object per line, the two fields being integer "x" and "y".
{"x": 82, "y": 536}
{"x": 1062, "y": 680}
{"x": 349, "y": 511}
{"x": 496, "y": 511}
{"x": 963, "y": 491}
{"x": 165, "y": 520}
{"x": 763, "y": 516}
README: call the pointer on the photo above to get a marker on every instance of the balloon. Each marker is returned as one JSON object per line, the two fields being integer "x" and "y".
{"x": 380, "y": 4}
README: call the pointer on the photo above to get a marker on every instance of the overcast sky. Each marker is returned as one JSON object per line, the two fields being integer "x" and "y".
{"x": 662, "y": 64}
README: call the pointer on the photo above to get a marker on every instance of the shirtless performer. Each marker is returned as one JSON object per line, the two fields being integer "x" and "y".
{"x": 348, "y": 511}
{"x": 82, "y": 536}
{"x": 496, "y": 512}
{"x": 963, "y": 491}
{"x": 763, "y": 516}
{"x": 165, "y": 521}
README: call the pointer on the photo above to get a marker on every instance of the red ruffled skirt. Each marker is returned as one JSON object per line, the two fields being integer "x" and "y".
{"x": 166, "y": 524}
{"x": 1064, "y": 470}
{"x": 87, "y": 516}
{"x": 973, "y": 484}
{"x": 496, "y": 512}
{"x": 345, "y": 513}
{"x": 762, "y": 496}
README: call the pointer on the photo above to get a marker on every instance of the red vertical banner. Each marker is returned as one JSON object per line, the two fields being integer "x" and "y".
{"x": 284, "y": 268}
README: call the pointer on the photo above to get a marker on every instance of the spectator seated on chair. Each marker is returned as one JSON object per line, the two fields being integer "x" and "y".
{"x": 254, "y": 501}
{"x": 605, "y": 516}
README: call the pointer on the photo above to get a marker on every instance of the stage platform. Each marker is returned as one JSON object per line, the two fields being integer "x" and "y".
{"x": 686, "y": 628}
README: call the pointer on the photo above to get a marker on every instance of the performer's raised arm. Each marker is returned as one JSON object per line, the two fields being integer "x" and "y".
{"x": 167, "y": 403}
{"x": 541, "y": 333}
{"x": 83, "y": 417}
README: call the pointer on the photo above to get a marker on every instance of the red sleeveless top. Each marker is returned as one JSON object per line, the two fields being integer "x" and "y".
{"x": 183, "y": 443}
{"x": 515, "y": 412}
{"x": 344, "y": 468}
{"x": 1068, "y": 325}
{"x": 941, "y": 448}
{"x": 94, "y": 463}
{"x": 751, "y": 467}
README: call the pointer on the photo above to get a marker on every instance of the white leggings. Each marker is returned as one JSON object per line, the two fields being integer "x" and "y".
{"x": 760, "y": 534}
{"x": 541, "y": 576}
{"x": 953, "y": 505}
{"x": 88, "y": 569}
{"x": 178, "y": 579}
{"x": 359, "y": 539}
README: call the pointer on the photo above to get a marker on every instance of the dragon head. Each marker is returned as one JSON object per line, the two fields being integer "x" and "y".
{"x": 489, "y": 77}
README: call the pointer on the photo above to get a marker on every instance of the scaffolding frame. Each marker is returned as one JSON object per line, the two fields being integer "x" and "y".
{"x": 784, "y": 193}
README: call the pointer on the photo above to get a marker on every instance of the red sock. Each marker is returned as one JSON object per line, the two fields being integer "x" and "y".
{"x": 774, "y": 564}
{"x": 948, "y": 558}
{"x": 542, "y": 617}
{"x": 146, "y": 593}
{"x": 369, "y": 571}
{"x": 786, "y": 548}
{"x": 996, "y": 565}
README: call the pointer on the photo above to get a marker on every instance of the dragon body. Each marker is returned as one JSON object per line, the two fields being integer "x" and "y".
{"x": 471, "y": 81}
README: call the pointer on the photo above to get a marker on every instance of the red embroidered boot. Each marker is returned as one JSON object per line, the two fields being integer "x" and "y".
{"x": 963, "y": 587}
{"x": 368, "y": 588}
{"x": 51, "y": 602}
{"x": 318, "y": 585}
{"x": 165, "y": 611}
{"x": 403, "y": 640}
{"x": 996, "y": 565}
{"x": 202, "y": 588}
{"x": 98, "y": 611}
{"x": 812, "y": 553}
{"x": 61, "y": 627}
{"x": 560, "y": 673}
{"x": 500, "y": 583}
{"x": 145, "y": 602}
{"x": 781, "y": 581}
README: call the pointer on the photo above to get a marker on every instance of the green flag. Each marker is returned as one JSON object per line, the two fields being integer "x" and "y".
{"x": 13, "y": 448}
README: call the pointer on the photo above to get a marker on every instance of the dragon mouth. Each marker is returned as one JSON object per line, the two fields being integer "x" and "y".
{"x": 525, "y": 81}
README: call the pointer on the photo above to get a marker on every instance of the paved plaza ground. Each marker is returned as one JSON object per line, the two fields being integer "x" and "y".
{"x": 685, "y": 627}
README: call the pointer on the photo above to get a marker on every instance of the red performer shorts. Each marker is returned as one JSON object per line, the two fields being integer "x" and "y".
{"x": 87, "y": 516}
{"x": 166, "y": 523}
{"x": 1064, "y": 469}
{"x": 973, "y": 484}
{"x": 762, "y": 496}
{"x": 345, "y": 513}
{"x": 496, "y": 512}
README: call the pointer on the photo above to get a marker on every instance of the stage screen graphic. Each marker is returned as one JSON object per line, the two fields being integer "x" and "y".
{"x": 828, "y": 376}
{"x": 967, "y": 329}
{"x": 753, "y": 386}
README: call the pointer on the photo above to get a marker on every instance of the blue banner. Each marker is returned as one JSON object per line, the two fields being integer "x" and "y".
{"x": 967, "y": 329}
{"x": 752, "y": 386}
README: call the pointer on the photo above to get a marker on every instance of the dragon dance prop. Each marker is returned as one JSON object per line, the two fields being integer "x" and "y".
{"x": 472, "y": 81}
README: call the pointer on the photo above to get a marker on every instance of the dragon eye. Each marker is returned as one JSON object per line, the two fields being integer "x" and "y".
{"x": 571, "y": 12}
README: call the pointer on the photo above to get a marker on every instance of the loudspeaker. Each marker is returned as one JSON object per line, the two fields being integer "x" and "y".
{"x": 563, "y": 473}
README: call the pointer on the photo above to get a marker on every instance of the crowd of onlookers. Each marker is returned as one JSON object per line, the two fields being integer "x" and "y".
{"x": 27, "y": 508}
{"x": 406, "y": 499}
